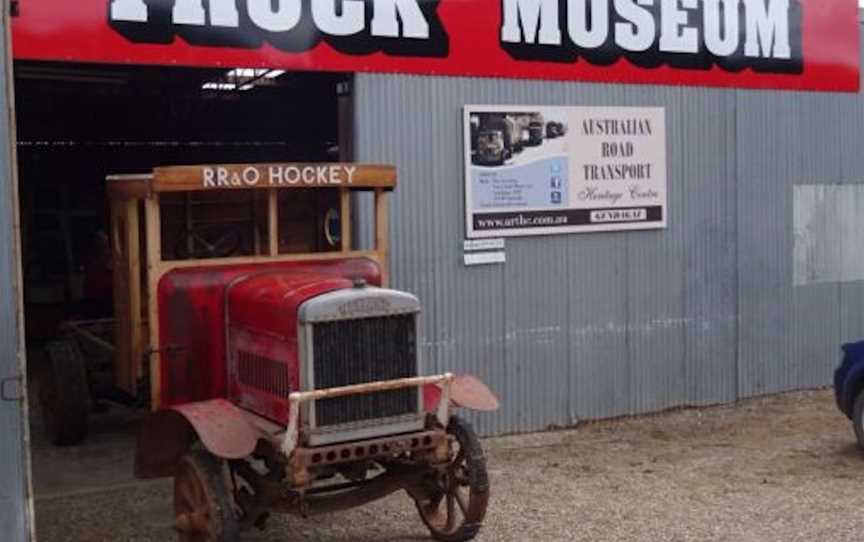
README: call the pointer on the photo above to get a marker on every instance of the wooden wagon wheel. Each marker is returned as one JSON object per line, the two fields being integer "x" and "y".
{"x": 203, "y": 506}
{"x": 457, "y": 502}
{"x": 64, "y": 394}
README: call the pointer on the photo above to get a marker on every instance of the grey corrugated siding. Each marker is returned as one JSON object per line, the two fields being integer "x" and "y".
{"x": 590, "y": 326}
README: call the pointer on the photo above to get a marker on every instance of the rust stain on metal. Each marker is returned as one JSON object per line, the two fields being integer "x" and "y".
{"x": 223, "y": 428}
{"x": 369, "y": 449}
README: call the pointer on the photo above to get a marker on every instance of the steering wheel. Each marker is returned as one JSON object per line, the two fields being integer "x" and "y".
{"x": 209, "y": 241}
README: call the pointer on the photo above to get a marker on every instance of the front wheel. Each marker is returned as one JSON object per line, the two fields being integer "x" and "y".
{"x": 456, "y": 502}
{"x": 203, "y": 507}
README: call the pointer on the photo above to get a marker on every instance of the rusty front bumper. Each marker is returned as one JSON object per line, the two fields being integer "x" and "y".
{"x": 289, "y": 444}
{"x": 428, "y": 442}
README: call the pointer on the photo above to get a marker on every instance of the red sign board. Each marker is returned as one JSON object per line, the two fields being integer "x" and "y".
{"x": 782, "y": 44}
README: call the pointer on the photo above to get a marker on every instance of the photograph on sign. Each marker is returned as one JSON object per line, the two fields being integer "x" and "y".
{"x": 546, "y": 170}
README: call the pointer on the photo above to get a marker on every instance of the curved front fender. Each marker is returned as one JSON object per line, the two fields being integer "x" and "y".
{"x": 466, "y": 391}
{"x": 168, "y": 434}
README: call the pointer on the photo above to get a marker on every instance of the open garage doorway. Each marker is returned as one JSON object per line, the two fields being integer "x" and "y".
{"x": 79, "y": 123}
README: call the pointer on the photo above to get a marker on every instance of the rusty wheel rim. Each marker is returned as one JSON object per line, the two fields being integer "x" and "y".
{"x": 454, "y": 504}
{"x": 193, "y": 506}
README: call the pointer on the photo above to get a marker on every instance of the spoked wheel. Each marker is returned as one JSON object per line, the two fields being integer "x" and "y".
{"x": 456, "y": 505}
{"x": 203, "y": 507}
{"x": 64, "y": 395}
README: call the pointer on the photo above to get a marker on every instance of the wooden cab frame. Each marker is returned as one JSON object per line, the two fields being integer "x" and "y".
{"x": 136, "y": 241}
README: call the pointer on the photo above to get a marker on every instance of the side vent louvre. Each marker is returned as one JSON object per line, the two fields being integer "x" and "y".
{"x": 263, "y": 373}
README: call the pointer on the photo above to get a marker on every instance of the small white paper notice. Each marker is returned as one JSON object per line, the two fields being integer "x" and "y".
{"x": 485, "y": 258}
{"x": 473, "y": 245}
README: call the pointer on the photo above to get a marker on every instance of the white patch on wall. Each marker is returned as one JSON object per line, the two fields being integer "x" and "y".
{"x": 829, "y": 233}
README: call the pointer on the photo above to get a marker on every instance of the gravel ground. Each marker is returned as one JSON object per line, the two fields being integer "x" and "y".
{"x": 782, "y": 468}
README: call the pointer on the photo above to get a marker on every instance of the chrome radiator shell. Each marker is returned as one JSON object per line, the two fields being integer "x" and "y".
{"x": 358, "y": 336}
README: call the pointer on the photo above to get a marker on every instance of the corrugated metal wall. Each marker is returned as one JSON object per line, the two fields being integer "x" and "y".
{"x": 587, "y": 326}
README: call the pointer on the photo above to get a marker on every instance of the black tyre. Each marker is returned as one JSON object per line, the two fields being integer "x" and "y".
{"x": 203, "y": 506}
{"x": 64, "y": 394}
{"x": 458, "y": 498}
{"x": 858, "y": 418}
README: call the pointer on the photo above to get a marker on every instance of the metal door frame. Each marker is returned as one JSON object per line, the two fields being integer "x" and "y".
{"x": 16, "y": 495}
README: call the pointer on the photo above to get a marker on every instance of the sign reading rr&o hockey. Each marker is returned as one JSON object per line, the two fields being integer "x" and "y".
{"x": 788, "y": 44}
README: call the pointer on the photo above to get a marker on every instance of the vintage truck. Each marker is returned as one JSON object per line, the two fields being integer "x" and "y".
{"x": 503, "y": 138}
{"x": 282, "y": 373}
{"x": 555, "y": 130}
{"x": 491, "y": 150}
{"x": 536, "y": 130}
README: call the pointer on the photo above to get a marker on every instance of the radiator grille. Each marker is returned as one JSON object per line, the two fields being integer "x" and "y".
{"x": 359, "y": 351}
{"x": 263, "y": 373}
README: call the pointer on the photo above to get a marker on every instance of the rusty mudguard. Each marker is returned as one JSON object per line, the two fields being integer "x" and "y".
{"x": 466, "y": 391}
{"x": 167, "y": 435}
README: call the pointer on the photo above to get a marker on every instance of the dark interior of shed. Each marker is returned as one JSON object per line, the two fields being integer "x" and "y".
{"x": 79, "y": 123}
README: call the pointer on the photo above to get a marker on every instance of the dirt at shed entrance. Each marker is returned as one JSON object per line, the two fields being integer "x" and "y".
{"x": 782, "y": 468}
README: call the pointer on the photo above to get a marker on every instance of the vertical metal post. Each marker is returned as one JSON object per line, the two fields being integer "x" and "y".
{"x": 16, "y": 502}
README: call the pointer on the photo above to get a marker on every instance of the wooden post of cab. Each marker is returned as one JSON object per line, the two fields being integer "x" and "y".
{"x": 273, "y": 221}
{"x": 382, "y": 233}
{"x": 345, "y": 218}
{"x": 153, "y": 221}
{"x": 126, "y": 260}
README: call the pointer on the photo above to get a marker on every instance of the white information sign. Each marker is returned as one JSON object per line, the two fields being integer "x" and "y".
{"x": 473, "y": 245}
{"x": 484, "y": 258}
{"x": 545, "y": 170}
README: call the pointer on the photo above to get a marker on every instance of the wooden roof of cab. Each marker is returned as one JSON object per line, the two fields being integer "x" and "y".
{"x": 252, "y": 176}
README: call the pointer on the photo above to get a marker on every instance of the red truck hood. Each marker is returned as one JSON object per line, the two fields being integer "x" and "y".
{"x": 268, "y": 302}
{"x": 192, "y": 314}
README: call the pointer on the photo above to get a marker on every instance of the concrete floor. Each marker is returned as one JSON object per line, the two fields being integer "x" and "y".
{"x": 104, "y": 461}
{"x": 775, "y": 469}
{"x": 87, "y": 493}
{"x": 91, "y": 476}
